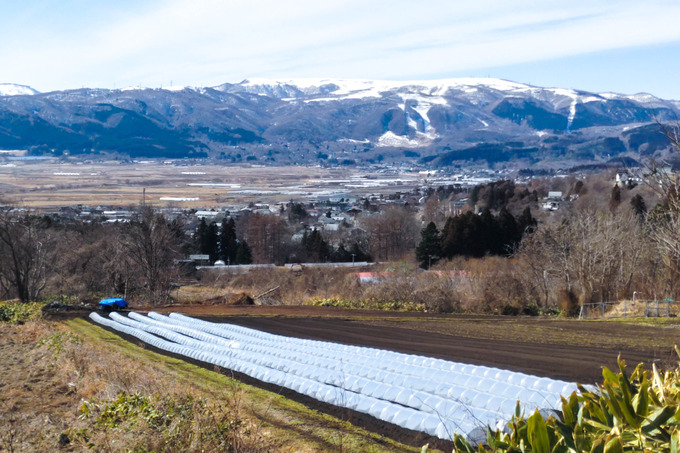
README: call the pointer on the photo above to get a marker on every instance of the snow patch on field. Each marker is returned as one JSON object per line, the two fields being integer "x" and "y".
{"x": 211, "y": 184}
{"x": 179, "y": 198}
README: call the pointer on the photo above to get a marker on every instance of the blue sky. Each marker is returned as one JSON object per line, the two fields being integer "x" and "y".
{"x": 595, "y": 45}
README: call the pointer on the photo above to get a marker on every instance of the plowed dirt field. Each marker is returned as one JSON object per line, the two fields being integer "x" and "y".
{"x": 563, "y": 349}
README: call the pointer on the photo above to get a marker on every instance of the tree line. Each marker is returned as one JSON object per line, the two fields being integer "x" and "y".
{"x": 474, "y": 236}
{"x": 603, "y": 245}
{"x": 143, "y": 257}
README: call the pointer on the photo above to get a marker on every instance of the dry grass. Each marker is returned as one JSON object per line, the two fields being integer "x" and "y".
{"x": 474, "y": 286}
{"x": 77, "y": 387}
{"x": 201, "y": 294}
{"x": 60, "y": 183}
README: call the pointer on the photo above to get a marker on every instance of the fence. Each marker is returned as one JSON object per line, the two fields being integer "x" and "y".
{"x": 630, "y": 309}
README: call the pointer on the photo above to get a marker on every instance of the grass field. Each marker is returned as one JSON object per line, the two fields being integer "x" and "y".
{"x": 54, "y": 184}
{"x": 44, "y": 387}
{"x": 51, "y": 368}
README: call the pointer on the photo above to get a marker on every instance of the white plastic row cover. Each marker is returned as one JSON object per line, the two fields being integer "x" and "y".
{"x": 510, "y": 384}
{"x": 430, "y": 395}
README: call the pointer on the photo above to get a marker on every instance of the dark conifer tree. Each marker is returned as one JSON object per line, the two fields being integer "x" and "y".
{"x": 639, "y": 206}
{"x": 315, "y": 247}
{"x": 509, "y": 232}
{"x": 243, "y": 253}
{"x": 526, "y": 223}
{"x": 487, "y": 239}
{"x": 210, "y": 242}
{"x": 341, "y": 255}
{"x": 200, "y": 234}
{"x": 428, "y": 251}
{"x": 359, "y": 253}
{"x": 206, "y": 240}
{"x": 450, "y": 237}
{"x": 228, "y": 243}
{"x": 615, "y": 199}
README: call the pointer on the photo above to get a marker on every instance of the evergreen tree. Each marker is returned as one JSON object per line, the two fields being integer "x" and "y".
{"x": 200, "y": 234}
{"x": 488, "y": 239}
{"x": 207, "y": 240}
{"x": 639, "y": 206}
{"x": 578, "y": 187}
{"x": 296, "y": 212}
{"x": 510, "y": 233}
{"x": 452, "y": 235}
{"x": 243, "y": 253}
{"x": 429, "y": 248}
{"x": 211, "y": 242}
{"x": 479, "y": 235}
{"x": 526, "y": 223}
{"x": 315, "y": 246}
{"x": 341, "y": 255}
{"x": 228, "y": 243}
{"x": 359, "y": 253}
{"x": 615, "y": 199}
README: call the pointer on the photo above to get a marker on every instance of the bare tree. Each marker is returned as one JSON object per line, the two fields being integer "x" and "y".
{"x": 393, "y": 233}
{"x": 597, "y": 255}
{"x": 663, "y": 220}
{"x": 266, "y": 235}
{"x": 151, "y": 247}
{"x": 24, "y": 246}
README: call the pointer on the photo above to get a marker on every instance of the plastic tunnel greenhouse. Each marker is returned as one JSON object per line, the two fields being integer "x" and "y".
{"x": 435, "y": 396}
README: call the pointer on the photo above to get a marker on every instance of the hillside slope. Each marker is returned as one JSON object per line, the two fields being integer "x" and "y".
{"x": 437, "y": 123}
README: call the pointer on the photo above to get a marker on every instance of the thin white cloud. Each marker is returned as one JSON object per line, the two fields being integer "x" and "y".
{"x": 213, "y": 41}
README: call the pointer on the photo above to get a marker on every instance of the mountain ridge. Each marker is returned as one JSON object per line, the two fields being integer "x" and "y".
{"x": 13, "y": 89}
{"x": 344, "y": 120}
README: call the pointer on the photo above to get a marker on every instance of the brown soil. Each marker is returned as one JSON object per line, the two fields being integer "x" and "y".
{"x": 561, "y": 349}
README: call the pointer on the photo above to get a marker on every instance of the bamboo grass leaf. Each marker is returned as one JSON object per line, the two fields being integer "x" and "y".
{"x": 538, "y": 434}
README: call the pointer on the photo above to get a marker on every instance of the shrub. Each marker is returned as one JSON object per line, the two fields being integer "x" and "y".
{"x": 531, "y": 310}
{"x": 166, "y": 423}
{"x": 56, "y": 341}
{"x": 639, "y": 412}
{"x": 369, "y": 304}
{"x": 552, "y": 311}
{"x": 568, "y": 302}
{"x": 510, "y": 310}
{"x": 18, "y": 313}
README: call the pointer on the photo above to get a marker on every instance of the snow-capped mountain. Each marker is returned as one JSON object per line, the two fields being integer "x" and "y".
{"x": 436, "y": 122}
{"x": 12, "y": 89}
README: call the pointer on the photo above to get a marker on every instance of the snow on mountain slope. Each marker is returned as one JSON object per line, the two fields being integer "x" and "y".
{"x": 364, "y": 117}
{"x": 335, "y": 89}
{"x": 420, "y": 140}
{"x": 11, "y": 89}
{"x": 422, "y": 95}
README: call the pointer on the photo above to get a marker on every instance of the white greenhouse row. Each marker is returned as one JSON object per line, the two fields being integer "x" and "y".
{"x": 434, "y": 396}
